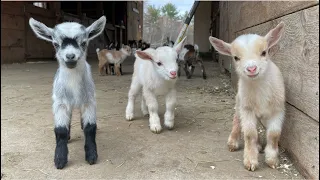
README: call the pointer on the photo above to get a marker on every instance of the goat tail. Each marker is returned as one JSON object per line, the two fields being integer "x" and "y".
{"x": 196, "y": 47}
{"x": 97, "y": 50}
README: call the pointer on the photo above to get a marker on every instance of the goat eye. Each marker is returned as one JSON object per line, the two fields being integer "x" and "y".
{"x": 83, "y": 44}
{"x": 263, "y": 53}
{"x": 56, "y": 45}
{"x": 236, "y": 58}
{"x": 159, "y": 63}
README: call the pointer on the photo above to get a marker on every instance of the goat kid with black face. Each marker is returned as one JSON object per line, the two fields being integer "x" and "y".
{"x": 73, "y": 85}
{"x": 155, "y": 72}
{"x": 260, "y": 96}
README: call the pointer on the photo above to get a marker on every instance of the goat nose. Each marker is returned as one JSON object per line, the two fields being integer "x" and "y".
{"x": 173, "y": 73}
{"x": 252, "y": 69}
{"x": 70, "y": 56}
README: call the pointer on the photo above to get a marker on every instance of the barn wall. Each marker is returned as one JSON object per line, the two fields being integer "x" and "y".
{"x": 202, "y": 26}
{"x": 134, "y": 20}
{"x": 19, "y": 44}
{"x": 297, "y": 56}
{"x": 12, "y": 32}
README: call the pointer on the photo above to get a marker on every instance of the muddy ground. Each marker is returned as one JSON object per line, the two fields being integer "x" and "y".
{"x": 195, "y": 149}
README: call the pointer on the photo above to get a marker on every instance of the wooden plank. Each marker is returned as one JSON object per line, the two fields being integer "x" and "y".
{"x": 13, "y": 10}
{"x": 300, "y": 138}
{"x": 13, "y": 3}
{"x": 248, "y": 13}
{"x": 12, "y": 55}
{"x": 297, "y": 55}
{"x": 12, "y": 38}
{"x": 224, "y": 61}
{"x": 30, "y": 8}
{"x": 35, "y": 47}
{"x": 9, "y": 21}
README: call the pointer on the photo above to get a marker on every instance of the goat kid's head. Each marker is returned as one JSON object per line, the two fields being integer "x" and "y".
{"x": 126, "y": 49}
{"x": 163, "y": 59}
{"x": 250, "y": 51}
{"x": 70, "y": 39}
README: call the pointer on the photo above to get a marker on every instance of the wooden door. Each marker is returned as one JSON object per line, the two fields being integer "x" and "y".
{"x": 37, "y": 48}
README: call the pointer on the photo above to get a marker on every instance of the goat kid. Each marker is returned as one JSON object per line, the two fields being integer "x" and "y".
{"x": 189, "y": 57}
{"x": 73, "y": 85}
{"x": 155, "y": 72}
{"x": 169, "y": 43}
{"x": 107, "y": 57}
{"x": 260, "y": 96}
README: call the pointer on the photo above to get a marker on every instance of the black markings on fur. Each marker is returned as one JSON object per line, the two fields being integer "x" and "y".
{"x": 61, "y": 152}
{"x": 189, "y": 47}
{"x": 83, "y": 46}
{"x": 90, "y": 146}
{"x": 69, "y": 41}
{"x": 81, "y": 123}
{"x": 69, "y": 132}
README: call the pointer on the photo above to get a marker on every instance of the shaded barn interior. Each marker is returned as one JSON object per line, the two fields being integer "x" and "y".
{"x": 19, "y": 44}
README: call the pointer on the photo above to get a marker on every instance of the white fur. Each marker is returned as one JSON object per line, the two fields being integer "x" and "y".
{"x": 155, "y": 80}
{"x": 68, "y": 85}
{"x": 73, "y": 85}
{"x": 258, "y": 98}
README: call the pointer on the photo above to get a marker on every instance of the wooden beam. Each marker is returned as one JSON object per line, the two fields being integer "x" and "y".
{"x": 114, "y": 20}
{"x": 79, "y": 9}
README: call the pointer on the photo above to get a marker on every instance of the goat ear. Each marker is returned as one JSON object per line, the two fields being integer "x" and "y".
{"x": 275, "y": 34}
{"x": 96, "y": 27}
{"x": 179, "y": 46}
{"x": 144, "y": 55}
{"x": 41, "y": 30}
{"x": 220, "y": 46}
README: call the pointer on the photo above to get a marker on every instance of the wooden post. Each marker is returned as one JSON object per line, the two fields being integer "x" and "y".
{"x": 79, "y": 7}
{"x": 114, "y": 21}
{"x": 99, "y": 8}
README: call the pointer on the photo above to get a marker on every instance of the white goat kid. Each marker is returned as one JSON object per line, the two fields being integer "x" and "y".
{"x": 73, "y": 85}
{"x": 260, "y": 96}
{"x": 155, "y": 71}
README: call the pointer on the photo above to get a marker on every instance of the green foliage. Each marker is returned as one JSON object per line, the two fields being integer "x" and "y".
{"x": 170, "y": 10}
{"x": 153, "y": 14}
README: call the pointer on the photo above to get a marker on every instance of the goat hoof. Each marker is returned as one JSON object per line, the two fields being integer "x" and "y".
{"x": 204, "y": 77}
{"x": 61, "y": 156}
{"x": 91, "y": 156}
{"x": 60, "y": 161}
{"x": 156, "y": 128}
{"x": 92, "y": 159}
{"x": 272, "y": 162}
{"x": 60, "y": 164}
{"x": 129, "y": 116}
{"x": 233, "y": 145}
{"x": 250, "y": 165}
{"x": 169, "y": 125}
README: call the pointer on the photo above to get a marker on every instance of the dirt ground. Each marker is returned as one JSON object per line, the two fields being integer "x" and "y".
{"x": 195, "y": 149}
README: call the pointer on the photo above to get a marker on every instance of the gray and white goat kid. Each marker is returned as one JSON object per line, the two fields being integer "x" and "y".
{"x": 155, "y": 71}
{"x": 260, "y": 96}
{"x": 73, "y": 85}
